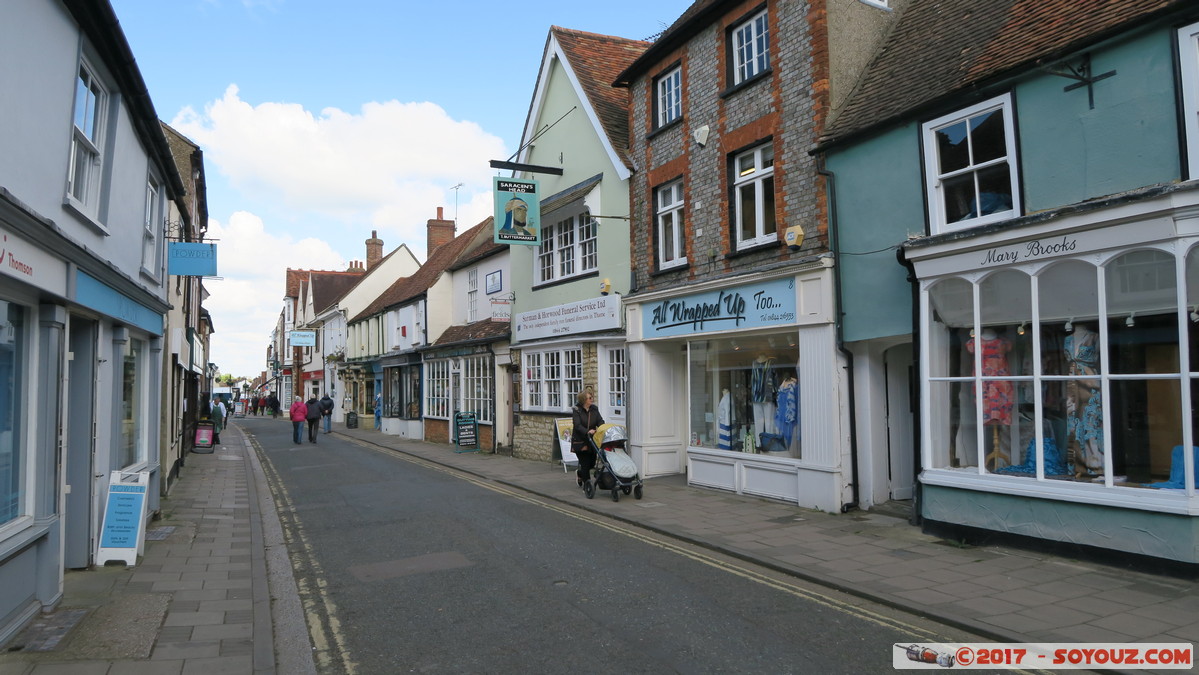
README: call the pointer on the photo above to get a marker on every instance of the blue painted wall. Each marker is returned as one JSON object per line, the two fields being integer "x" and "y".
{"x": 1068, "y": 153}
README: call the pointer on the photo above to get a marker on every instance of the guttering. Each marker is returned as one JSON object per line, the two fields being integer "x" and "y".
{"x": 839, "y": 326}
{"x": 918, "y": 488}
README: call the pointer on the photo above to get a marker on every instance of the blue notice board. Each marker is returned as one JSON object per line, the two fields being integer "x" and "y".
{"x": 124, "y": 518}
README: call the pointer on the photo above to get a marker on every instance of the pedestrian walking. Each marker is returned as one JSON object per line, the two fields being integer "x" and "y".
{"x": 313, "y": 417}
{"x": 272, "y": 402}
{"x": 298, "y": 414}
{"x": 378, "y": 412}
{"x": 218, "y": 414}
{"x": 327, "y": 412}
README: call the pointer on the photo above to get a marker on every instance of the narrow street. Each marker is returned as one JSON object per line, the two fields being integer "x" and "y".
{"x": 405, "y": 565}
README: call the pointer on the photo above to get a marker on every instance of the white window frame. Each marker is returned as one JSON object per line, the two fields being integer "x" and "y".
{"x": 477, "y": 377}
{"x": 670, "y": 96}
{"x": 437, "y": 400}
{"x": 568, "y": 249}
{"x": 553, "y": 378}
{"x": 934, "y": 179}
{"x": 751, "y": 47}
{"x": 667, "y": 214}
{"x": 87, "y": 141}
{"x": 758, "y": 176}
{"x": 1188, "y": 52}
{"x": 472, "y": 295}
{"x": 154, "y": 220}
{"x": 614, "y": 373}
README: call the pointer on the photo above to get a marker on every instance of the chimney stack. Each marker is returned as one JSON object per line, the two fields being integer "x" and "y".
{"x": 440, "y": 233}
{"x": 374, "y": 250}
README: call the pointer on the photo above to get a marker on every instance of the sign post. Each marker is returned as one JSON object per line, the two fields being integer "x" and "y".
{"x": 121, "y": 536}
{"x": 466, "y": 431}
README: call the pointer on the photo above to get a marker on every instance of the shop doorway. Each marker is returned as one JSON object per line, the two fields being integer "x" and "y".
{"x": 900, "y": 418}
{"x": 79, "y": 456}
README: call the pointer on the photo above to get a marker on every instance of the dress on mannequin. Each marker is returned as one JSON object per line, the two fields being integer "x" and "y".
{"x": 724, "y": 422}
{"x": 1084, "y": 404}
{"x": 997, "y": 395}
{"x": 762, "y": 387}
{"x": 786, "y": 419}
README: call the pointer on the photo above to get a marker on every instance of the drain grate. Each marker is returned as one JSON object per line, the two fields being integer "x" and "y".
{"x": 44, "y": 634}
{"x": 159, "y": 533}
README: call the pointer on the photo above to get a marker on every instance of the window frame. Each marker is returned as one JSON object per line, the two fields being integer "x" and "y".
{"x": 743, "y": 54}
{"x": 668, "y": 97}
{"x": 437, "y": 405}
{"x": 154, "y": 217}
{"x": 478, "y": 372}
{"x": 1188, "y": 53}
{"x": 569, "y": 249}
{"x": 758, "y": 177}
{"x": 472, "y": 295}
{"x": 934, "y": 179}
{"x": 20, "y": 503}
{"x": 675, "y": 210}
{"x": 552, "y": 378}
{"x": 91, "y": 102}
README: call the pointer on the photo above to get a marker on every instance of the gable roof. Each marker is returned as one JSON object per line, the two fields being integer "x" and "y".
{"x": 482, "y": 247}
{"x": 941, "y": 48}
{"x": 591, "y": 62}
{"x": 328, "y": 287}
{"x": 407, "y": 288}
{"x": 485, "y": 330}
{"x": 694, "y": 19}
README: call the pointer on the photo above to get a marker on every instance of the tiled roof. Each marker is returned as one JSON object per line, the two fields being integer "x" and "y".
{"x": 694, "y": 19}
{"x": 939, "y": 48}
{"x": 486, "y": 330}
{"x": 407, "y": 288}
{"x": 328, "y": 287}
{"x": 483, "y": 246}
{"x": 596, "y": 60}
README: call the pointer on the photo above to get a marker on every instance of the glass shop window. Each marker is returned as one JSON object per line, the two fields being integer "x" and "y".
{"x": 14, "y": 457}
{"x": 743, "y": 395}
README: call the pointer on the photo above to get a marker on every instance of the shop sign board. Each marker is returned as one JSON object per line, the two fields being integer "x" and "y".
{"x": 517, "y": 211}
{"x": 466, "y": 431}
{"x": 768, "y": 303}
{"x": 121, "y": 535}
{"x": 191, "y": 259}
{"x": 302, "y": 338}
{"x": 585, "y": 316}
{"x": 31, "y": 264}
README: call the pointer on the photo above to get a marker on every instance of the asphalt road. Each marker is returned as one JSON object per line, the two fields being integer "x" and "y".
{"x": 405, "y": 566}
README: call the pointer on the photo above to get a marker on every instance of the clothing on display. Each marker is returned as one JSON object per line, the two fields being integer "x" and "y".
{"x": 786, "y": 418}
{"x": 1084, "y": 404}
{"x": 996, "y": 395}
{"x": 724, "y": 423}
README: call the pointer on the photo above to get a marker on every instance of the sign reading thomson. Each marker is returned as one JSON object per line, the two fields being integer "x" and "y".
{"x": 517, "y": 211}
{"x": 602, "y": 313}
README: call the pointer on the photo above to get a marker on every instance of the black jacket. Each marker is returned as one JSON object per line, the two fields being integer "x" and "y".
{"x": 314, "y": 409}
{"x": 326, "y": 405}
{"x": 584, "y": 420}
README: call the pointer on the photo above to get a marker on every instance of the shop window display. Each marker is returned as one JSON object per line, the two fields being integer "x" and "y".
{"x": 12, "y": 459}
{"x": 1089, "y": 391}
{"x": 744, "y": 395}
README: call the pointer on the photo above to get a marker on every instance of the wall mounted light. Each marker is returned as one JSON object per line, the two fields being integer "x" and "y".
{"x": 1070, "y": 325}
{"x": 1195, "y": 314}
{"x": 1131, "y": 320}
{"x": 736, "y": 347}
{"x": 1020, "y": 328}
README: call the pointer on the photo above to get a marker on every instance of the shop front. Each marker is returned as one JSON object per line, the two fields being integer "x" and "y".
{"x": 402, "y": 396}
{"x": 1058, "y": 367}
{"x": 742, "y": 388}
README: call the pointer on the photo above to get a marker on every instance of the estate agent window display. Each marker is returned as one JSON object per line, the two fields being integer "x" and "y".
{"x": 744, "y": 395}
{"x": 1078, "y": 356}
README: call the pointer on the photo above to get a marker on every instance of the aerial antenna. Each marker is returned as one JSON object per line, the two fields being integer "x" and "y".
{"x": 456, "y": 188}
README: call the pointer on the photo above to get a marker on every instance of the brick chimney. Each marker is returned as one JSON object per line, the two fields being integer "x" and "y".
{"x": 440, "y": 233}
{"x": 374, "y": 250}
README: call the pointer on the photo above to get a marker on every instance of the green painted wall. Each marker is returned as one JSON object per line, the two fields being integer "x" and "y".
{"x": 1160, "y": 535}
{"x": 1070, "y": 153}
{"x": 879, "y": 202}
{"x": 574, "y": 145}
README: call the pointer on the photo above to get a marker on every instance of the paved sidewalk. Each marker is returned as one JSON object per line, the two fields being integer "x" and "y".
{"x": 198, "y": 602}
{"x": 1005, "y": 594}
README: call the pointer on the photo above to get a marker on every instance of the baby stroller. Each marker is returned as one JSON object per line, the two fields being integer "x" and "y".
{"x": 614, "y": 470}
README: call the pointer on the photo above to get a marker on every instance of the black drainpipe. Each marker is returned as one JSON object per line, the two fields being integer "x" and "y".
{"x": 831, "y": 195}
{"x": 918, "y": 488}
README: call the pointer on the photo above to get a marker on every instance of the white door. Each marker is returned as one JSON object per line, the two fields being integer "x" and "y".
{"x": 898, "y": 362}
{"x": 613, "y": 383}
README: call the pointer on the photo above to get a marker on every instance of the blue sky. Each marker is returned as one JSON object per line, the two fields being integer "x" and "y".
{"x": 323, "y": 121}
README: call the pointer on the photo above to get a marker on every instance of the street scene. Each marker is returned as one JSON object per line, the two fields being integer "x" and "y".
{"x": 695, "y": 336}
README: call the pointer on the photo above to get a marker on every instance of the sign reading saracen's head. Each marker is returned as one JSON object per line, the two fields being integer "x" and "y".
{"x": 517, "y": 211}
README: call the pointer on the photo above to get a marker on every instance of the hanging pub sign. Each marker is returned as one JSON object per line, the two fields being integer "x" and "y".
{"x": 517, "y": 211}
{"x": 190, "y": 259}
{"x": 302, "y": 338}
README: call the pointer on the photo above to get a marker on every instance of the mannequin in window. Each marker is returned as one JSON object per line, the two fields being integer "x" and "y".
{"x": 997, "y": 395}
{"x": 786, "y": 419}
{"x": 762, "y": 386}
{"x": 1084, "y": 404}
{"x": 724, "y": 421}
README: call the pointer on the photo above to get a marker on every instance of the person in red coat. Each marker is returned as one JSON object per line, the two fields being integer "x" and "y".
{"x": 298, "y": 412}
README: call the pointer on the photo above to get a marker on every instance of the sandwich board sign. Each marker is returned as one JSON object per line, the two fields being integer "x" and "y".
{"x": 122, "y": 534}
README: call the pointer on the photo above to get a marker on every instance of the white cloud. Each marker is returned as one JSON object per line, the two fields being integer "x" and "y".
{"x": 246, "y": 301}
{"x": 390, "y": 165}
